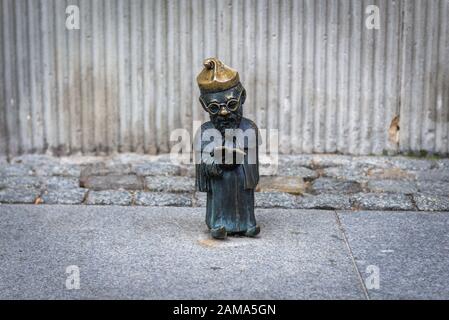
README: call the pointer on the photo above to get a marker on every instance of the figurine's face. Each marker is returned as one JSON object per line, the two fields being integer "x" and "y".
{"x": 225, "y": 107}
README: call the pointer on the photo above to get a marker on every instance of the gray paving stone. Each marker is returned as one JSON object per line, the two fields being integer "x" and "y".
{"x": 379, "y": 201}
{"x": 392, "y": 186}
{"x": 66, "y": 170}
{"x": 442, "y": 163}
{"x": 434, "y": 187}
{"x": 19, "y": 195}
{"x": 410, "y": 164}
{"x": 292, "y": 185}
{"x": 33, "y": 182}
{"x": 427, "y": 202}
{"x": 60, "y": 183}
{"x": 105, "y": 168}
{"x": 109, "y": 197}
{"x": 170, "y": 184}
{"x": 70, "y": 196}
{"x": 156, "y": 169}
{"x": 370, "y": 162}
{"x": 433, "y": 175}
{"x": 305, "y": 160}
{"x": 167, "y": 253}
{"x": 350, "y": 173}
{"x": 130, "y": 158}
{"x": 16, "y": 170}
{"x": 34, "y": 160}
{"x": 163, "y": 199}
{"x": 20, "y": 182}
{"x": 329, "y": 185}
{"x": 275, "y": 200}
{"x": 410, "y": 251}
{"x": 295, "y": 171}
{"x": 395, "y": 162}
{"x": 390, "y": 174}
{"x": 325, "y": 202}
{"x": 112, "y": 182}
{"x": 330, "y": 160}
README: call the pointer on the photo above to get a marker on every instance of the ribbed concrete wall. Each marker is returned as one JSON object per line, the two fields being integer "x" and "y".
{"x": 312, "y": 69}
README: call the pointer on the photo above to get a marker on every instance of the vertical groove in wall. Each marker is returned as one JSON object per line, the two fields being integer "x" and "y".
{"x": 261, "y": 74}
{"x": 158, "y": 75}
{"x": 184, "y": 104}
{"x": 342, "y": 83}
{"x": 209, "y": 14}
{"x": 319, "y": 103}
{"x": 417, "y": 80}
{"x": 308, "y": 94}
{"x": 442, "y": 96}
{"x": 446, "y": 81}
{"x": 34, "y": 76}
{"x": 11, "y": 96}
{"x": 149, "y": 107}
{"x": 171, "y": 83}
{"x": 273, "y": 66}
{"x": 87, "y": 124}
{"x": 284, "y": 76}
{"x": 312, "y": 70}
{"x": 136, "y": 76}
{"x": 163, "y": 89}
{"x": 389, "y": 84}
{"x": 3, "y": 128}
{"x": 246, "y": 53}
{"x": 47, "y": 76}
{"x": 235, "y": 39}
{"x": 74, "y": 90}
{"x": 123, "y": 42}
{"x": 331, "y": 78}
{"x": 428, "y": 134}
{"x": 111, "y": 81}
{"x": 98, "y": 77}
{"x": 59, "y": 48}
{"x": 365, "y": 71}
{"x": 373, "y": 136}
{"x": 23, "y": 98}
{"x": 406, "y": 79}
{"x": 297, "y": 64}
{"x": 197, "y": 55}
{"x": 354, "y": 75}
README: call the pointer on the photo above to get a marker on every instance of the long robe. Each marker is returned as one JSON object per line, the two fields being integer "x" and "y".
{"x": 230, "y": 193}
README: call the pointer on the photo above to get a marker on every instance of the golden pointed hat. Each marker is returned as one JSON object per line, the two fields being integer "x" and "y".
{"x": 216, "y": 76}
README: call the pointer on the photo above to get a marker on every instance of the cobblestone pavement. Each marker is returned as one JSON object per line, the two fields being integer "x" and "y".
{"x": 299, "y": 182}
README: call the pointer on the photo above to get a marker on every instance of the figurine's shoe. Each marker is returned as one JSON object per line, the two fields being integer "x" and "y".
{"x": 252, "y": 232}
{"x": 218, "y": 233}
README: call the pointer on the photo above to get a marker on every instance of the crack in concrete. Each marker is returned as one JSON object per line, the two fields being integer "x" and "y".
{"x": 354, "y": 263}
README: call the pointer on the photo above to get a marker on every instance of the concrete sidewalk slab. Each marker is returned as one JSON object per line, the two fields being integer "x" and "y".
{"x": 166, "y": 253}
{"x": 410, "y": 250}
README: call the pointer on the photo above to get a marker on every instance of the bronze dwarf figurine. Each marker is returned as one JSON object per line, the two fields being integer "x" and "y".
{"x": 226, "y": 153}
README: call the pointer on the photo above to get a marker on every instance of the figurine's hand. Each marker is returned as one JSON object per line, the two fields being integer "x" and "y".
{"x": 214, "y": 170}
{"x": 231, "y": 166}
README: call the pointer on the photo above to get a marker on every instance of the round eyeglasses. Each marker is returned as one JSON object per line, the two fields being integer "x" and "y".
{"x": 214, "y": 107}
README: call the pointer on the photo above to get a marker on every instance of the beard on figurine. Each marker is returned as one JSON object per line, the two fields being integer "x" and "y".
{"x": 226, "y": 153}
